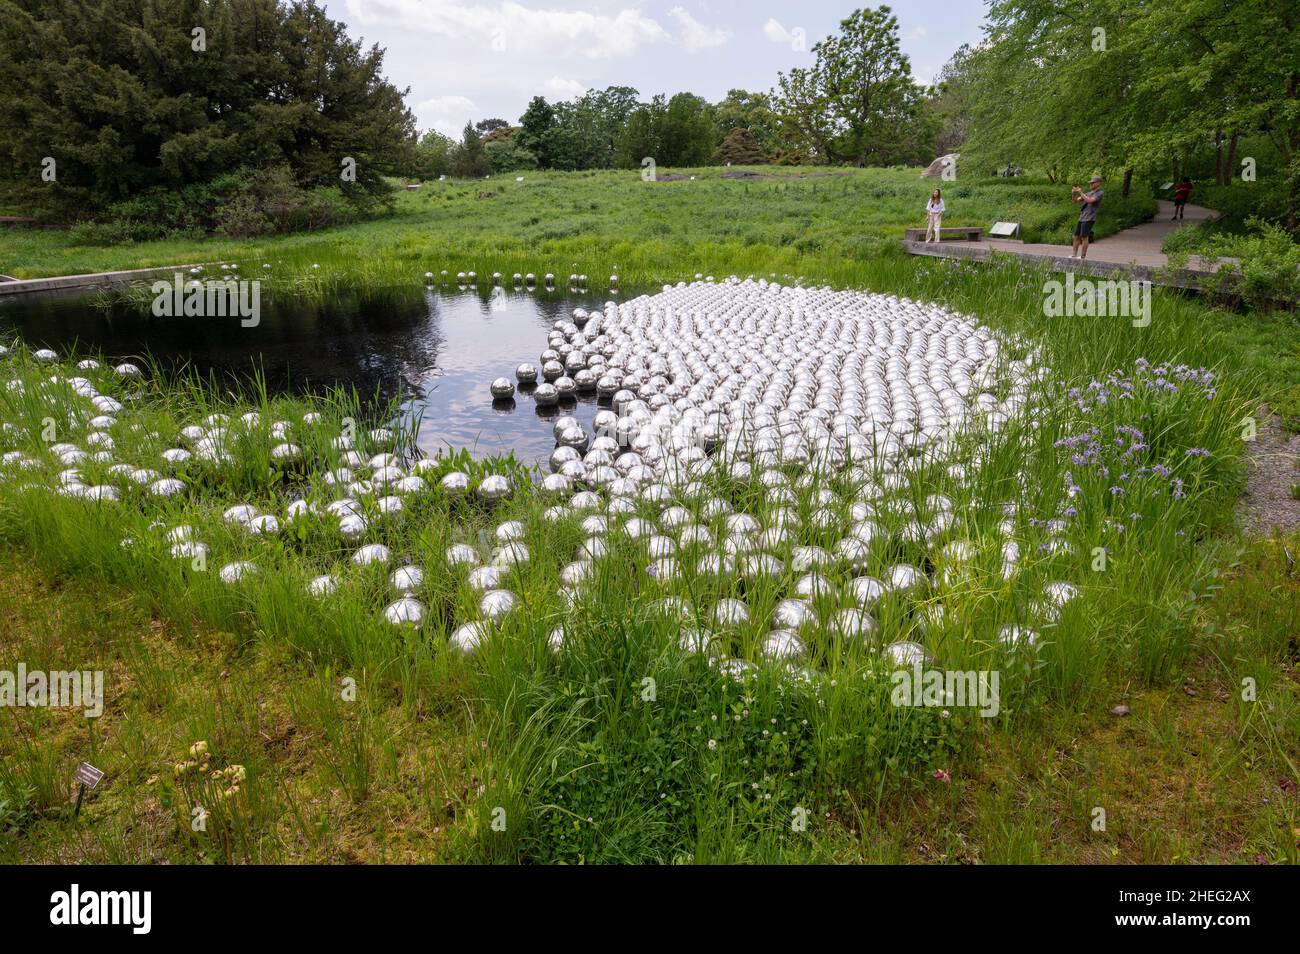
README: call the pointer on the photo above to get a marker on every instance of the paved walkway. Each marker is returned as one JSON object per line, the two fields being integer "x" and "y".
{"x": 1135, "y": 250}
{"x": 1139, "y": 245}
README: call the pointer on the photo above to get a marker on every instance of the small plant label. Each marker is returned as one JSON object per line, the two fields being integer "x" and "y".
{"x": 88, "y": 775}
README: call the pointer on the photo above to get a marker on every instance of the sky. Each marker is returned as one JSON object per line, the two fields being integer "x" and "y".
{"x": 467, "y": 60}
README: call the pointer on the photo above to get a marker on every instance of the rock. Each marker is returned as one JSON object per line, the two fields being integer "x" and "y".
{"x": 1121, "y": 710}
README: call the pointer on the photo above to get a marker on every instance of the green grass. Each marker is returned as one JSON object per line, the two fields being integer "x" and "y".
{"x": 818, "y": 223}
{"x": 580, "y": 756}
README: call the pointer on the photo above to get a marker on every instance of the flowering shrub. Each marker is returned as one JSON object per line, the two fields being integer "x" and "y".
{"x": 1148, "y": 441}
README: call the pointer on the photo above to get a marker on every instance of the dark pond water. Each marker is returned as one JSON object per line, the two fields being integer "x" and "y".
{"x": 434, "y": 350}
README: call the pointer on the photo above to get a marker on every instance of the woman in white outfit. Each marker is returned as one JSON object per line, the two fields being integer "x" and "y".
{"x": 934, "y": 216}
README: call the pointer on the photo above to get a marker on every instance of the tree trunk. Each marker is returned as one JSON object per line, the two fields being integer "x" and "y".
{"x": 1128, "y": 181}
{"x": 1218, "y": 157}
{"x": 1230, "y": 168}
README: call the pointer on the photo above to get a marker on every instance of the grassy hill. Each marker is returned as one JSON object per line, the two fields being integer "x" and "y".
{"x": 818, "y": 223}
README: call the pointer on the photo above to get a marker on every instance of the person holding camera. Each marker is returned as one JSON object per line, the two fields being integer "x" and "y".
{"x": 1087, "y": 216}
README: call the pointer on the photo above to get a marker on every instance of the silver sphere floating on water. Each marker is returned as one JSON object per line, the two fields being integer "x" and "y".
{"x": 503, "y": 388}
{"x": 526, "y": 373}
{"x": 546, "y": 395}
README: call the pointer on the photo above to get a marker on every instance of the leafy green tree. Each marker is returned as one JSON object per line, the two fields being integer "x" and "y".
{"x": 951, "y": 101}
{"x": 535, "y": 126}
{"x": 126, "y": 95}
{"x": 640, "y": 137}
{"x": 506, "y": 155}
{"x": 1141, "y": 86}
{"x": 688, "y": 135}
{"x": 433, "y": 155}
{"x": 858, "y": 102}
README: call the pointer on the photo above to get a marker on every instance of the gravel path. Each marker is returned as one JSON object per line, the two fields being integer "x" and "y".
{"x": 1274, "y": 468}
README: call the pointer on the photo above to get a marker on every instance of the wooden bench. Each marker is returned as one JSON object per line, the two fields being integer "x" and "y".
{"x": 969, "y": 233}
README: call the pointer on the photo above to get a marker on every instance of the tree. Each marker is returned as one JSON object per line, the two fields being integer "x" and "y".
{"x": 740, "y": 149}
{"x": 752, "y": 112}
{"x": 433, "y": 155}
{"x": 1146, "y": 87}
{"x": 687, "y": 135}
{"x": 506, "y": 155}
{"x": 125, "y": 97}
{"x": 535, "y": 126}
{"x": 469, "y": 159}
{"x": 485, "y": 126}
{"x": 951, "y": 100}
{"x": 640, "y": 137}
{"x": 858, "y": 102}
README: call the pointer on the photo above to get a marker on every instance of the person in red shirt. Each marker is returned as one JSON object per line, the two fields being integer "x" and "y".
{"x": 1181, "y": 192}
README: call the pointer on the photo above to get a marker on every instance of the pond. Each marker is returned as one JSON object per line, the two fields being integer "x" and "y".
{"x": 435, "y": 350}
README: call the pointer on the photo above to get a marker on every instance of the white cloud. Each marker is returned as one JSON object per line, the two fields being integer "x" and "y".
{"x": 917, "y": 33}
{"x": 447, "y": 114}
{"x": 560, "y": 88}
{"x": 775, "y": 32}
{"x": 509, "y": 26}
{"x": 696, "y": 37}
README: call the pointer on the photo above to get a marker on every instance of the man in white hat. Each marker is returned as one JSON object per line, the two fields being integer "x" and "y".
{"x": 1087, "y": 216}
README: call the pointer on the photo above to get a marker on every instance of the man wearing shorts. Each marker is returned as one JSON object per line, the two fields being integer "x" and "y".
{"x": 1087, "y": 216}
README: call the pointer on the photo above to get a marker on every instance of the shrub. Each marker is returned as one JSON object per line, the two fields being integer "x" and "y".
{"x": 1267, "y": 272}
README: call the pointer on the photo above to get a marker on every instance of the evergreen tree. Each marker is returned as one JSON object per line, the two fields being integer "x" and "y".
{"x": 128, "y": 95}
{"x": 740, "y": 149}
{"x": 469, "y": 159}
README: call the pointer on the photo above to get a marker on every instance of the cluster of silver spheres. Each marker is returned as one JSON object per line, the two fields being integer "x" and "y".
{"x": 347, "y": 498}
{"x": 795, "y": 387}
